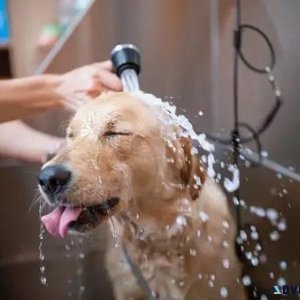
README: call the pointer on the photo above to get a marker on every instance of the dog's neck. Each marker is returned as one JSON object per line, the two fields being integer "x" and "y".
{"x": 162, "y": 219}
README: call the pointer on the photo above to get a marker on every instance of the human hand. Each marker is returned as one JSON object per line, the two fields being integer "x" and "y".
{"x": 85, "y": 83}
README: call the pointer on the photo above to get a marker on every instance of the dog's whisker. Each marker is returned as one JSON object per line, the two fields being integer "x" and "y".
{"x": 36, "y": 199}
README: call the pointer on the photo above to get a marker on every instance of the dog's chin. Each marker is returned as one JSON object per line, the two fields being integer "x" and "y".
{"x": 93, "y": 216}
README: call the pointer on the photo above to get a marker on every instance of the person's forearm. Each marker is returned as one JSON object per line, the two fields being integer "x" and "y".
{"x": 21, "y": 142}
{"x": 23, "y": 97}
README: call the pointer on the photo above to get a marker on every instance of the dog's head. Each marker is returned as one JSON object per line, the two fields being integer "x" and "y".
{"x": 117, "y": 157}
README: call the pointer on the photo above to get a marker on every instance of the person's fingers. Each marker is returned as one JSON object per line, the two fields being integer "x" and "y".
{"x": 110, "y": 80}
{"x": 107, "y": 65}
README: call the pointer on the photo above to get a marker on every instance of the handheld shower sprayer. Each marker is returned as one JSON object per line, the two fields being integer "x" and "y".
{"x": 126, "y": 61}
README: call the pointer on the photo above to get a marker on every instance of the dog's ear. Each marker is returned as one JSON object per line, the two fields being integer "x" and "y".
{"x": 191, "y": 171}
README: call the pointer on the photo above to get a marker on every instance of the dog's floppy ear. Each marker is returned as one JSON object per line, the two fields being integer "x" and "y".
{"x": 191, "y": 171}
{"x": 193, "y": 174}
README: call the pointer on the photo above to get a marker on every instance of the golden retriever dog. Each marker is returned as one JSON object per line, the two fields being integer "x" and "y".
{"x": 123, "y": 163}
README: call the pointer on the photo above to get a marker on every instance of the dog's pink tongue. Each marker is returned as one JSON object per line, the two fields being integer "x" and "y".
{"x": 58, "y": 220}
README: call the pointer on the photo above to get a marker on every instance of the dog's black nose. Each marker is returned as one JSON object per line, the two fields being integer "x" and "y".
{"x": 54, "y": 179}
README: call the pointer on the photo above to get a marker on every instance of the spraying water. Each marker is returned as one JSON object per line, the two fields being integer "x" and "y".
{"x": 126, "y": 61}
{"x": 130, "y": 80}
{"x": 43, "y": 277}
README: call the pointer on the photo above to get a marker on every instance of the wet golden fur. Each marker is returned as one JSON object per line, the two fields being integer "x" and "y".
{"x": 179, "y": 232}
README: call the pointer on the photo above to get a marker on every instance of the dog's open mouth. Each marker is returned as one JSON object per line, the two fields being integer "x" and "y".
{"x": 80, "y": 219}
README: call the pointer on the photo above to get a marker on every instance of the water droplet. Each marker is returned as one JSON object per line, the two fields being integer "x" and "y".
{"x": 281, "y": 225}
{"x": 272, "y": 214}
{"x": 259, "y": 211}
{"x": 283, "y": 265}
{"x": 181, "y": 283}
{"x": 246, "y": 280}
{"x": 254, "y": 235}
{"x": 141, "y": 234}
{"x": 181, "y": 221}
{"x": 43, "y": 280}
{"x": 281, "y": 281}
{"x": 193, "y": 252}
{"x": 154, "y": 294}
{"x": 264, "y": 154}
{"x": 225, "y": 224}
{"x": 235, "y": 201}
{"x": 203, "y": 216}
{"x": 224, "y": 292}
{"x": 274, "y": 235}
{"x": 200, "y": 113}
{"x": 225, "y": 263}
{"x": 114, "y": 232}
{"x": 271, "y": 78}
{"x": 278, "y": 93}
{"x": 225, "y": 244}
{"x": 258, "y": 247}
{"x": 254, "y": 261}
{"x": 243, "y": 235}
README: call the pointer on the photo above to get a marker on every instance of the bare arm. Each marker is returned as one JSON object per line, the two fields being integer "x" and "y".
{"x": 20, "y": 98}
{"x": 21, "y": 142}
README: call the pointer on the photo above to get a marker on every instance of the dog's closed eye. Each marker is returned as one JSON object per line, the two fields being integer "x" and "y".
{"x": 115, "y": 133}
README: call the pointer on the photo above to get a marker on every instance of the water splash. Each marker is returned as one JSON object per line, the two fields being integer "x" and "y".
{"x": 167, "y": 114}
{"x": 233, "y": 184}
{"x": 43, "y": 278}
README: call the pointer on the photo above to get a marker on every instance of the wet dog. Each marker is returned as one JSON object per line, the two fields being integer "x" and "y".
{"x": 122, "y": 162}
